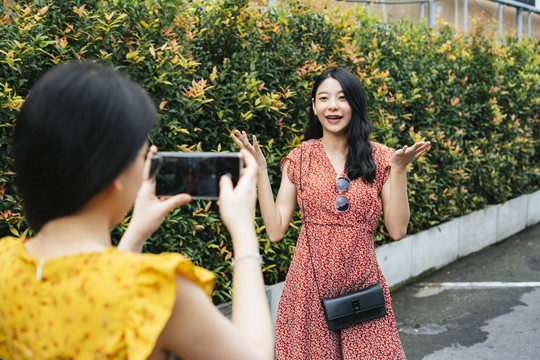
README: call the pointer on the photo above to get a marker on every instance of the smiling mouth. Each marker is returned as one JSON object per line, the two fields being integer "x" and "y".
{"x": 333, "y": 119}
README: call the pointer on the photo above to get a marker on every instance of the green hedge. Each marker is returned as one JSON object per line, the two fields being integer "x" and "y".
{"x": 216, "y": 66}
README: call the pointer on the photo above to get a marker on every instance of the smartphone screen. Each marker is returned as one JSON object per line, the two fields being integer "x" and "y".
{"x": 195, "y": 173}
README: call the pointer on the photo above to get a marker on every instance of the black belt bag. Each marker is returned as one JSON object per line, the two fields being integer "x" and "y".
{"x": 348, "y": 309}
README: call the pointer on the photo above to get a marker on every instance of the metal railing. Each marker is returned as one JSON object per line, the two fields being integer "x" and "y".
{"x": 519, "y": 15}
{"x": 520, "y": 7}
{"x": 431, "y": 7}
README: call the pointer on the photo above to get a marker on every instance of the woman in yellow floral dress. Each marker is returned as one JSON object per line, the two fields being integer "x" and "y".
{"x": 81, "y": 157}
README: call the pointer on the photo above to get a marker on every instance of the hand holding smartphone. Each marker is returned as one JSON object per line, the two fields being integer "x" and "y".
{"x": 194, "y": 173}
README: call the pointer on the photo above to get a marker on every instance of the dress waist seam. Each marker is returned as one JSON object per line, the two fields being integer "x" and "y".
{"x": 357, "y": 227}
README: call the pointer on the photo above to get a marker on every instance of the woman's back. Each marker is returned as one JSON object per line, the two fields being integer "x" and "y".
{"x": 97, "y": 305}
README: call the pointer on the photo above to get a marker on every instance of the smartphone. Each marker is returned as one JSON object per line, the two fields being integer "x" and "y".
{"x": 195, "y": 173}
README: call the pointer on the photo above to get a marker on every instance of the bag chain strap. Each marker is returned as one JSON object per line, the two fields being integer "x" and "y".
{"x": 304, "y": 217}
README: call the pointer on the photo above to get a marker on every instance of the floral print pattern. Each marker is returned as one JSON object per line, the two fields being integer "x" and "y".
{"x": 102, "y": 305}
{"x": 344, "y": 260}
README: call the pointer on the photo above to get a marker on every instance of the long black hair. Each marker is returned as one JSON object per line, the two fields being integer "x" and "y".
{"x": 79, "y": 128}
{"x": 359, "y": 163}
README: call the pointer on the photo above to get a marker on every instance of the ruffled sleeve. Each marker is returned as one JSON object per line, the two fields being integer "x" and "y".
{"x": 292, "y": 169}
{"x": 153, "y": 297}
{"x": 382, "y": 156}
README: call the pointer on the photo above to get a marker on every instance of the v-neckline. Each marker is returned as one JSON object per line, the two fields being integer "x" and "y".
{"x": 328, "y": 161}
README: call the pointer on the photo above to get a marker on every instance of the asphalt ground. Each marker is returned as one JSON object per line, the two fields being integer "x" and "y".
{"x": 483, "y": 306}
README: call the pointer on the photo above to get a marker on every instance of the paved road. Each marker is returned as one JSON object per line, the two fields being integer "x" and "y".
{"x": 484, "y": 306}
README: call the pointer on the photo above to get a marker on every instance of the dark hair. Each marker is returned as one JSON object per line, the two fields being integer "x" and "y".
{"x": 359, "y": 163}
{"x": 79, "y": 128}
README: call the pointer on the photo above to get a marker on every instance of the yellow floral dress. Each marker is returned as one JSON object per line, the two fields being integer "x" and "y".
{"x": 102, "y": 305}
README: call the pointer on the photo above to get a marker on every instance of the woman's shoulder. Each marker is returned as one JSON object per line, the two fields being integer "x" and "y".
{"x": 381, "y": 151}
{"x": 382, "y": 155}
{"x": 154, "y": 293}
{"x": 378, "y": 147}
{"x": 166, "y": 266}
{"x": 311, "y": 142}
{"x": 307, "y": 146}
{"x": 147, "y": 290}
{"x": 7, "y": 242}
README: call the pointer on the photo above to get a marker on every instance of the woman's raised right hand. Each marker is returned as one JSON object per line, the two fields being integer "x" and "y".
{"x": 241, "y": 139}
{"x": 237, "y": 205}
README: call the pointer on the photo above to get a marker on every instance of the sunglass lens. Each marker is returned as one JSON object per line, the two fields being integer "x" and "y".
{"x": 342, "y": 204}
{"x": 343, "y": 184}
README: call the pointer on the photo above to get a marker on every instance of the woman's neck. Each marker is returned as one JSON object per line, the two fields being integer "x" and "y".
{"x": 336, "y": 145}
{"x": 69, "y": 235}
{"x": 336, "y": 150}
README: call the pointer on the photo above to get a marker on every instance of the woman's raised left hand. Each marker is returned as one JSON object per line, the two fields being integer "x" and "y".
{"x": 406, "y": 155}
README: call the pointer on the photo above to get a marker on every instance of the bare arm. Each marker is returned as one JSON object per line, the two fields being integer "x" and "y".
{"x": 196, "y": 329}
{"x": 149, "y": 211}
{"x": 276, "y": 214}
{"x": 394, "y": 192}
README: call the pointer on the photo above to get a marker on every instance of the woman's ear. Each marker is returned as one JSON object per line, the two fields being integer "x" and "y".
{"x": 116, "y": 184}
{"x": 313, "y": 106}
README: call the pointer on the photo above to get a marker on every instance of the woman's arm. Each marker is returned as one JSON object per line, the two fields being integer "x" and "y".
{"x": 394, "y": 192}
{"x": 149, "y": 211}
{"x": 276, "y": 214}
{"x": 196, "y": 329}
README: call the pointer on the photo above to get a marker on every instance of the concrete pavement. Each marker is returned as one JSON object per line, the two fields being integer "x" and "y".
{"x": 483, "y": 306}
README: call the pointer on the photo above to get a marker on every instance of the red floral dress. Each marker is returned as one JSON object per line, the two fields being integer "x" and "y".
{"x": 344, "y": 259}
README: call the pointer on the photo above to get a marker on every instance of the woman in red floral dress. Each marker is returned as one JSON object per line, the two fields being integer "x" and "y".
{"x": 340, "y": 220}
